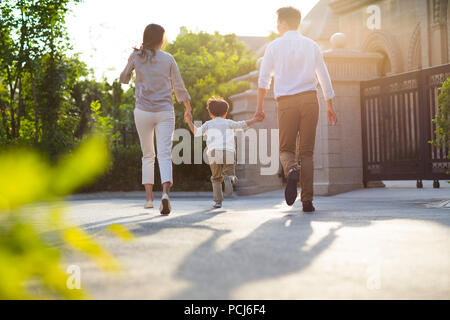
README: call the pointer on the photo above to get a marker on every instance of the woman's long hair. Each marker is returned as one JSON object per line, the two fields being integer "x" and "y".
{"x": 153, "y": 36}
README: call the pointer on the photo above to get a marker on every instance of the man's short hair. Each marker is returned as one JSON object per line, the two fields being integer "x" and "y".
{"x": 217, "y": 106}
{"x": 290, "y": 15}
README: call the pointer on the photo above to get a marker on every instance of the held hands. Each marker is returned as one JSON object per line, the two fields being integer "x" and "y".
{"x": 259, "y": 116}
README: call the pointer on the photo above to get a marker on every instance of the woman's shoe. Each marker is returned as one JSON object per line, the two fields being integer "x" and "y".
{"x": 148, "y": 204}
{"x": 217, "y": 205}
{"x": 165, "y": 205}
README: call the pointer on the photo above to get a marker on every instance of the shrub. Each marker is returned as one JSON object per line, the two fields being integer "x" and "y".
{"x": 442, "y": 119}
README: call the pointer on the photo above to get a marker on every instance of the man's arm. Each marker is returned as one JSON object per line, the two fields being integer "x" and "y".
{"x": 260, "y": 115}
{"x": 325, "y": 82}
{"x": 265, "y": 78}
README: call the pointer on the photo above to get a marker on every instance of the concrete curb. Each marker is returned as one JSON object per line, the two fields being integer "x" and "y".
{"x": 440, "y": 196}
{"x": 174, "y": 195}
{"x": 136, "y": 195}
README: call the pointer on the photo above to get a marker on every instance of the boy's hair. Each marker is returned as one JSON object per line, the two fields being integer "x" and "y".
{"x": 290, "y": 15}
{"x": 217, "y": 106}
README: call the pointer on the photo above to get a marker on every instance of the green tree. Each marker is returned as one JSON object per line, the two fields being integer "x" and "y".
{"x": 46, "y": 97}
{"x": 32, "y": 37}
{"x": 207, "y": 63}
{"x": 272, "y": 36}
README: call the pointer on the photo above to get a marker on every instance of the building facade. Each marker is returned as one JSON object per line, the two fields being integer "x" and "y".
{"x": 410, "y": 34}
{"x": 376, "y": 38}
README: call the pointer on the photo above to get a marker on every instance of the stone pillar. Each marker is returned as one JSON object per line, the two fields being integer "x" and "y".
{"x": 338, "y": 151}
{"x": 250, "y": 180}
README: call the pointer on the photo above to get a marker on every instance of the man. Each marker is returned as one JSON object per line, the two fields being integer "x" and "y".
{"x": 296, "y": 64}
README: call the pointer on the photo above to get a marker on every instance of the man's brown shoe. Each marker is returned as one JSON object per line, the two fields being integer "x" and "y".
{"x": 290, "y": 193}
{"x": 308, "y": 206}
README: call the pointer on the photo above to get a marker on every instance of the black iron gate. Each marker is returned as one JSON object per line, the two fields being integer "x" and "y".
{"x": 397, "y": 127}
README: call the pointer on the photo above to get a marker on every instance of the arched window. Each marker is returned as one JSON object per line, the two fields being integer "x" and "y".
{"x": 385, "y": 67}
{"x": 385, "y": 44}
{"x": 415, "y": 50}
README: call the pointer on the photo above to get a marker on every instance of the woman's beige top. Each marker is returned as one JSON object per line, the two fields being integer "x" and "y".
{"x": 155, "y": 80}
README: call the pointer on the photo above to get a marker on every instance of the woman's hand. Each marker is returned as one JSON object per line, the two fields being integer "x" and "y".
{"x": 188, "y": 111}
{"x": 188, "y": 116}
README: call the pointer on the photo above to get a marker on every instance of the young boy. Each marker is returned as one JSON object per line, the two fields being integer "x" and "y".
{"x": 220, "y": 145}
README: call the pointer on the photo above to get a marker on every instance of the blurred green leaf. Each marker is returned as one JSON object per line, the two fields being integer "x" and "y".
{"x": 120, "y": 232}
{"x": 24, "y": 178}
{"x": 33, "y": 239}
{"x": 83, "y": 242}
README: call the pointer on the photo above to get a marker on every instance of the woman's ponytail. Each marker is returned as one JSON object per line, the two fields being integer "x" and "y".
{"x": 153, "y": 36}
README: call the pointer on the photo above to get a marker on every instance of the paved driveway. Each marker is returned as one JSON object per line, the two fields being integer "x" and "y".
{"x": 391, "y": 243}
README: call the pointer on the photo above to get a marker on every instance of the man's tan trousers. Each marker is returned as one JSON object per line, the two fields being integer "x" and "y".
{"x": 298, "y": 116}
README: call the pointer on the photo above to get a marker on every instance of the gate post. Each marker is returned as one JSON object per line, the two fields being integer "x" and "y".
{"x": 250, "y": 179}
{"x": 338, "y": 152}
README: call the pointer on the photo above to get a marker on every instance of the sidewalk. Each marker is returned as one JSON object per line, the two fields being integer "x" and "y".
{"x": 427, "y": 191}
{"x": 137, "y": 195}
{"x": 384, "y": 243}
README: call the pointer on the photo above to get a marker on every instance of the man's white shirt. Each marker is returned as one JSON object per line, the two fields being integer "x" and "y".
{"x": 296, "y": 64}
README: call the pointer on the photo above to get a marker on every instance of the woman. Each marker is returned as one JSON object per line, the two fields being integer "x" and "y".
{"x": 157, "y": 75}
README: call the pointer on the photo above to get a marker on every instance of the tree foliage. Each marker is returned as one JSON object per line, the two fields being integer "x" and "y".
{"x": 33, "y": 40}
{"x": 50, "y": 100}
{"x": 442, "y": 119}
{"x": 208, "y": 62}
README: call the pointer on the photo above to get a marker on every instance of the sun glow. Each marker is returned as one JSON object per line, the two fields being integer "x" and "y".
{"x": 104, "y": 31}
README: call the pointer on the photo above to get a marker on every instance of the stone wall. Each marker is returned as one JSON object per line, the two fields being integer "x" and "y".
{"x": 250, "y": 179}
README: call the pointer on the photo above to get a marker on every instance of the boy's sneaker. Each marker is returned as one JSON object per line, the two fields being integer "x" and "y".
{"x": 165, "y": 208}
{"x": 217, "y": 205}
{"x": 228, "y": 183}
{"x": 290, "y": 193}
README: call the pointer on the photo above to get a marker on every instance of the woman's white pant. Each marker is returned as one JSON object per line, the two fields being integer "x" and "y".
{"x": 163, "y": 123}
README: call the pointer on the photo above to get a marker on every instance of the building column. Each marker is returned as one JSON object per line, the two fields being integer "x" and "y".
{"x": 250, "y": 177}
{"x": 338, "y": 153}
